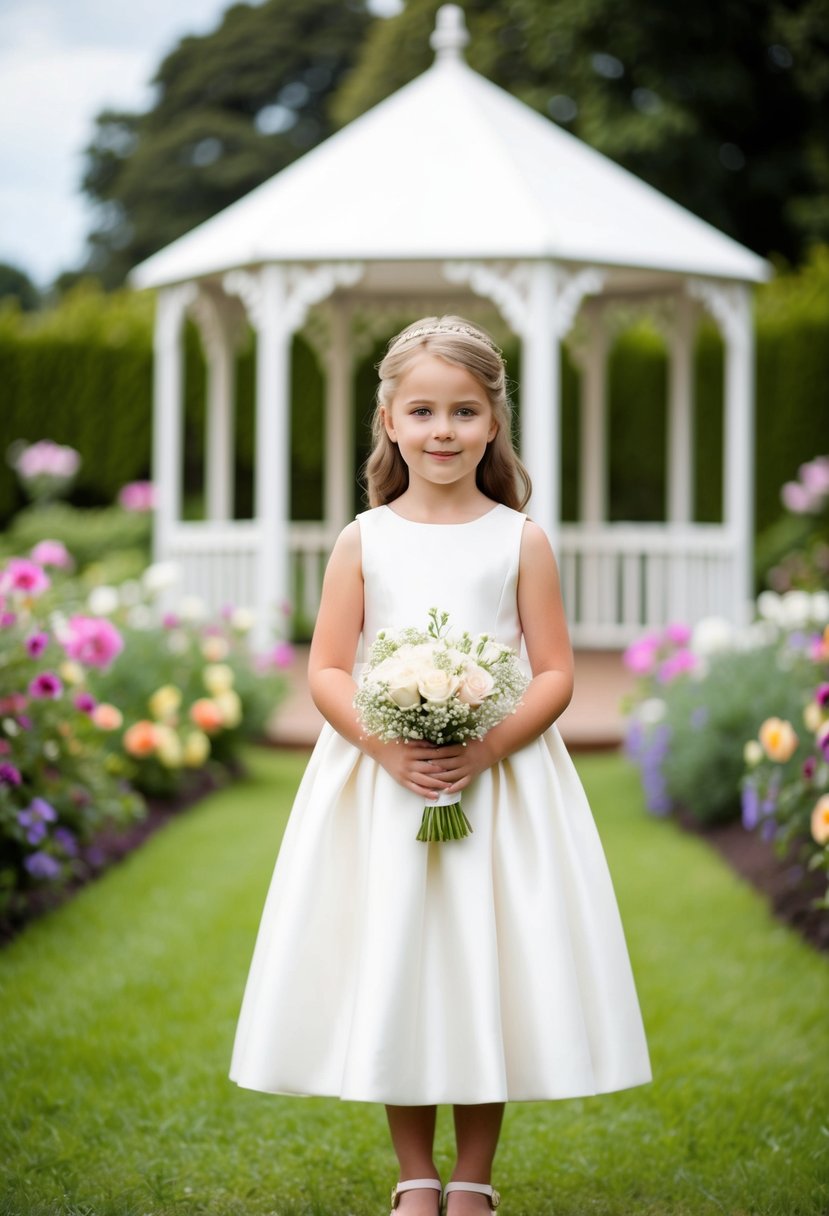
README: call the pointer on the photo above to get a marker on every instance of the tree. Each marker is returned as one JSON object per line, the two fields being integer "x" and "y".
{"x": 721, "y": 107}
{"x": 15, "y": 284}
{"x": 233, "y": 107}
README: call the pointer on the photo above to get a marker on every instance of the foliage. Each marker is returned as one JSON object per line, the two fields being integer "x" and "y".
{"x": 728, "y": 119}
{"x": 796, "y": 550}
{"x": 99, "y": 538}
{"x": 232, "y": 108}
{"x": 16, "y": 287}
{"x": 118, "y": 1013}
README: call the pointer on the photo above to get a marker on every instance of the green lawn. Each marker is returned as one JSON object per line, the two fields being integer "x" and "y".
{"x": 118, "y": 1014}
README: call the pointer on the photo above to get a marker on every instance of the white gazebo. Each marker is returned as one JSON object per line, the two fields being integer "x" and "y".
{"x": 452, "y": 195}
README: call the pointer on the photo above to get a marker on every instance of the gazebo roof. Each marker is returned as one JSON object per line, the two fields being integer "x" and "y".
{"x": 449, "y": 167}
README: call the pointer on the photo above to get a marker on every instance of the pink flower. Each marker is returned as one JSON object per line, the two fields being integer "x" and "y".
{"x": 640, "y": 656}
{"x": 815, "y": 476}
{"x": 797, "y": 498}
{"x": 282, "y": 655}
{"x": 169, "y": 620}
{"x": 36, "y": 643}
{"x": 25, "y": 577}
{"x": 822, "y": 696}
{"x": 7, "y": 619}
{"x": 45, "y": 687}
{"x": 137, "y": 496}
{"x": 677, "y": 665}
{"x": 49, "y": 459}
{"x": 93, "y": 641}
{"x": 677, "y": 634}
{"x": 52, "y": 553}
{"x": 85, "y": 702}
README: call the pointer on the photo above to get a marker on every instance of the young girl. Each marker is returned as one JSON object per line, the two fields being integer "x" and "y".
{"x": 471, "y": 972}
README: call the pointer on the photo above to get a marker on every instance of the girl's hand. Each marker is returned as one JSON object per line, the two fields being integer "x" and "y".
{"x": 426, "y": 770}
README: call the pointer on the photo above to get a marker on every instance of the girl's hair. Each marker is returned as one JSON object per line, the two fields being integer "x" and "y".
{"x": 500, "y": 474}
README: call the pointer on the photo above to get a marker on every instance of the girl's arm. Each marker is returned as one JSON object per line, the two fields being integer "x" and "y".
{"x": 544, "y": 626}
{"x": 330, "y": 664}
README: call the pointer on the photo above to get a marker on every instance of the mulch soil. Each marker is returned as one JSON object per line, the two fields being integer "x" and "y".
{"x": 788, "y": 886}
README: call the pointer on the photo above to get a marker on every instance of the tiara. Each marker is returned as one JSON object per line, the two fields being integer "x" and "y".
{"x": 426, "y": 331}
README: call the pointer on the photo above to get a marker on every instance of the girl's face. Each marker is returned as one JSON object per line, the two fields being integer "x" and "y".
{"x": 441, "y": 420}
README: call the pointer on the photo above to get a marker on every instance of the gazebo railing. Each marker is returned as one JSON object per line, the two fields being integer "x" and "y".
{"x": 619, "y": 580}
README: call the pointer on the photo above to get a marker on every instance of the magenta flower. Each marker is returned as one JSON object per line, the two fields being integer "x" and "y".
{"x": 677, "y": 634}
{"x": 137, "y": 496}
{"x": 170, "y": 621}
{"x": 24, "y": 577}
{"x": 809, "y": 768}
{"x": 93, "y": 641}
{"x": 52, "y": 553}
{"x": 822, "y": 695}
{"x": 45, "y": 687}
{"x": 677, "y": 665}
{"x": 640, "y": 656}
{"x": 41, "y": 865}
{"x": 36, "y": 643}
{"x": 282, "y": 655}
{"x": 85, "y": 702}
{"x": 9, "y": 774}
{"x": 7, "y": 619}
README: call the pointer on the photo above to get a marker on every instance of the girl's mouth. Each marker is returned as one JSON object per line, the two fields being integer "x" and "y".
{"x": 442, "y": 455}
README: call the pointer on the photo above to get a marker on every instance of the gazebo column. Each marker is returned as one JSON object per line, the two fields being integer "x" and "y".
{"x": 730, "y": 305}
{"x": 338, "y": 419}
{"x": 168, "y": 373}
{"x": 219, "y": 331}
{"x": 541, "y": 399}
{"x": 680, "y": 455}
{"x": 593, "y": 436}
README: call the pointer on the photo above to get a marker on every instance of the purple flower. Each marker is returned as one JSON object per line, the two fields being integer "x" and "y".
{"x": 750, "y": 800}
{"x": 9, "y": 774}
{"x": 36, "y": 643}
{"x": 34, "y": 827}
{"x": 699, "y": 717}
{"x": 85, "y": 702}
{"x": 809, "y": 768}
{"x": 45, "y": 687}
{"x": 41, "y": 865}
{"x": 25, "y": 722}
{"x": 822, "y": 695}
{"x": 66, "y": 841}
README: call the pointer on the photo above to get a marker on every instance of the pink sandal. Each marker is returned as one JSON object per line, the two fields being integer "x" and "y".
{"x": 416, "y": 1184}
{"x": 481, "y": 1188}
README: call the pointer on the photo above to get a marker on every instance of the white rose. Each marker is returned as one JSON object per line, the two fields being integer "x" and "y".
{"x": 103, "y": 601}
{"x": 797, "y": 609}
{"x": 770, "y": 607}
{"x": 401, "y": 678}
{"x": 477, "y": 684}
{"x": 159, "y": 576}
{"x": 712, "y": 635}
{"x": 436, "y": 685}
{"x": 491, "y": 652}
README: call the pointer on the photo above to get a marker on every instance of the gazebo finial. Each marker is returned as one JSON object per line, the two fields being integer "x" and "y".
{"x": 450, "y": 34}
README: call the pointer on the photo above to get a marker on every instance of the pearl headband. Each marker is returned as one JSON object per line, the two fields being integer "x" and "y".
{"x": 427, "y": 331}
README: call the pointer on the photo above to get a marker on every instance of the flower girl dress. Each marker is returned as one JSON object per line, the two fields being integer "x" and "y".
{"x": 488, "y": 969}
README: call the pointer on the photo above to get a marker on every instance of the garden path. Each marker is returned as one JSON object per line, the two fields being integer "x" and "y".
{"x": 117, "y": 1015}
{"x": 592, "y": 720}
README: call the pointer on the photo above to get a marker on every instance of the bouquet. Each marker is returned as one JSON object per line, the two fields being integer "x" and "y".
{"x": 441, "y": 688}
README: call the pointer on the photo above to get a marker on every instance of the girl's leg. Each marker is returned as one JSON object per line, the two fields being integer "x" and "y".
{"x": 412, "y": 1135}
{"x": 477, "y": 1129}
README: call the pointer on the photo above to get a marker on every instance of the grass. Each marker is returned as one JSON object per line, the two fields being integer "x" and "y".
{"x": 117, "y": 1015}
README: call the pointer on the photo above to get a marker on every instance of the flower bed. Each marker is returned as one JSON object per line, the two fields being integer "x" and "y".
{"x": 734, "y": 724}
{"x": 103, "y": 704}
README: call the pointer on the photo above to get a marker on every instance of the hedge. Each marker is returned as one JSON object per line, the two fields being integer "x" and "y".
{"x": 82, "y": 373}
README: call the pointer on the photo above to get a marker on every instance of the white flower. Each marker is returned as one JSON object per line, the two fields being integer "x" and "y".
{"x": 491, "y": 652}
{"x": 402, "y": 679}
{"x": 242, "y": 620}
{"x": 437, "y": 686}
{"x": 752, "y": 753}
{"x": 820, "y": 607}
{"x": 759, "y": 634}
{"x": 103, "y": 601}
{"x": 797, "y": 609}
{"x": 477, "y": 684}
{"x": 770, "y": 607}
{"x": 141, "y": 617}
{"x": 192, "y": 608}
{"x": 712, "y": 635}
{"x": 130, "y": 592}
{"x": 159, "y": 576}
{"x": 651, "y": 711}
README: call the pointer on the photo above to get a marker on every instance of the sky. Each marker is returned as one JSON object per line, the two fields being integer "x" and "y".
{"x": 61, "y": 62}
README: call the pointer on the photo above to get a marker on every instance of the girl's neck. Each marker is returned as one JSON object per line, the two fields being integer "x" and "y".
{"x": 441, "y": 508}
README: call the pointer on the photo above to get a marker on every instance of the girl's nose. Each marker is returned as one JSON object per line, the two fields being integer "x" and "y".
{"x": 442, "y": 428}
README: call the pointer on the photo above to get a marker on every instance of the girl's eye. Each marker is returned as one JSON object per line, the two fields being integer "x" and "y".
{"x": 466, "y": 412}
{"x": 421, "y": 411}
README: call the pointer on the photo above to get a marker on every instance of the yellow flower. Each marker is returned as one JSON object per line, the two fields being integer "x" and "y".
{"x": 218, "y": 677}
{"x": 214, "y": 649}
{"x": 779, "y": 739}
{"x": 230, "y": 707}
{"x": 820, "y": 820}
{"x": 168, "y": 746}
{"x": 71, "y": 673}
{"x": 164, "y": 702}
{"x": 813, "y": 716}
{"x": 196, "y": 749}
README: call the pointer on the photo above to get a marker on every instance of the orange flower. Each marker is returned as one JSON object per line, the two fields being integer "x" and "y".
{"x": 141, "y": 739}
{"x": 779, "y": 739}
{"x": 207, "y": 715}
{"x": 820, "y": 820}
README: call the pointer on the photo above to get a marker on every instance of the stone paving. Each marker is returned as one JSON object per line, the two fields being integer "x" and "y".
{"x": 592, "y": 720}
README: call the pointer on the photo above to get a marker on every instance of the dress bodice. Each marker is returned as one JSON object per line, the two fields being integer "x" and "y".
{"x": 470, "y": 570}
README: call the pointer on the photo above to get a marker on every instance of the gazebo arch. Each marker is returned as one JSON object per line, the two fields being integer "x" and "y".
{"x": 453, "y": 195}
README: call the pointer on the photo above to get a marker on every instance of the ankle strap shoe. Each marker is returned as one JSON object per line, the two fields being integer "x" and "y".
{"x": 416, "y": 1184}
{"x": 481, "y": 1188}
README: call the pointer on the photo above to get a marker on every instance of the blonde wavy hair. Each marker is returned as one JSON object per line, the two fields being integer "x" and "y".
{"x": 500, "y": 474}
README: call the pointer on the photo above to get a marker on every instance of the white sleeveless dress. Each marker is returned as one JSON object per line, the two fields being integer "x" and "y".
{"x": 483, "y": 970}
